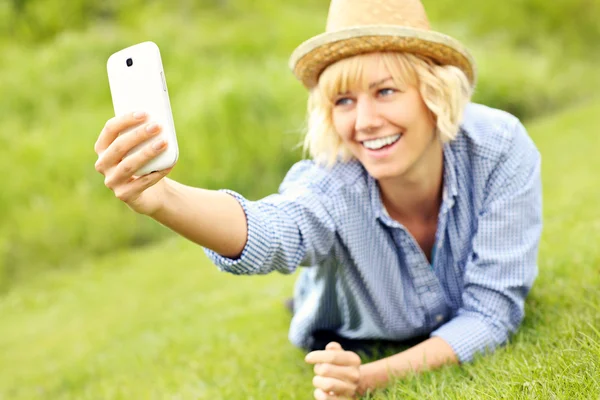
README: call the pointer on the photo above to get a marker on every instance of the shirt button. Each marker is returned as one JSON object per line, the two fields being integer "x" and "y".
{"x": 439, "y": 318}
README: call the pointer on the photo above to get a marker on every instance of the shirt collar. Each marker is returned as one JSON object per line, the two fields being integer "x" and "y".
{"x": 450, "y": 190}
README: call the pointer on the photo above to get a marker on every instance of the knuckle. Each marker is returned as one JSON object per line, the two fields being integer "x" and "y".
{"x": 111, "y": 182}
{"x": 322, "y": 383}
{"x": 121, "y": 195}
{"x": 146, "y": 179}
{"x": 319, "y": 382}
{"x": 149, "y": 151}
{"x": 327, "y": 385}
{"x": 117, "y": 147}
{"x": 354, "y": 359}
{"x": 99, "y": 166}
{"x": 143, "y": 134}
{"x": 355, "y": 376}
{"x": 326, "y": 369}
{"x": 126, "y": 168}
{"x": 140, "y": 134}
{"x": 318, "y": 369}
{"x": 108, "y": 126}
{"x": 318, "y": 394}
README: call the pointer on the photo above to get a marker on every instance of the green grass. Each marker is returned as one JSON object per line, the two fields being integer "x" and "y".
{"x": 94, "y": 306}
{"x": 152, "y": 323}
{"x": 160, "y": 322}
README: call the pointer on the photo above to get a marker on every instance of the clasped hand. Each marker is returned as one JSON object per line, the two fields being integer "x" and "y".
{"x": 337, "y": 373}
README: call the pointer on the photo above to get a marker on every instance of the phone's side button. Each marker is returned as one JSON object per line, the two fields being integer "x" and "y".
{"x": 162, "y": 78}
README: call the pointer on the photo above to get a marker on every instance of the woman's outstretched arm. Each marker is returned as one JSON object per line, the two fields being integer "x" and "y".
{"x": 212, "y": 219}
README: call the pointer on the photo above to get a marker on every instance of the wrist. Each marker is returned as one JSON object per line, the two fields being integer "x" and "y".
{"x": 166, "y": 190}
{"x": 373, "y": 376}
{"x": 364, "y": 379}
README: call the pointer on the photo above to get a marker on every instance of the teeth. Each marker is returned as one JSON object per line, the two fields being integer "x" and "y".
{"x": 376, "y": 144}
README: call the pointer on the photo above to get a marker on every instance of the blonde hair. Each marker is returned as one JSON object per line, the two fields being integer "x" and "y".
{"x": 445, "y": 90}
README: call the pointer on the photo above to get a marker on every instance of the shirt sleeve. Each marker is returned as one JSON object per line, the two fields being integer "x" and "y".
{"x": 285, "y": 230}
{"x": 503, "y": 264}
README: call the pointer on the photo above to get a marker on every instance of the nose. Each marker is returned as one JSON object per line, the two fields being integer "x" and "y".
{"x": 367, "y": 116}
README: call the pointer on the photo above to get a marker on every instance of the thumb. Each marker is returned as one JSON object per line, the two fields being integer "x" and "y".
{"x": 334, "y": 346}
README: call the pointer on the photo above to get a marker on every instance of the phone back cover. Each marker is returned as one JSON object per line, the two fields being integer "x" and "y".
{"x": 142, "y": 87}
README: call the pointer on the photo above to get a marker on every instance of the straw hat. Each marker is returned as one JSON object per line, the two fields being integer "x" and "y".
{"x": 364, "y": 26}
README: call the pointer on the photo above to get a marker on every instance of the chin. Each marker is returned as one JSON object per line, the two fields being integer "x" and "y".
{"x": 382, "y": 172}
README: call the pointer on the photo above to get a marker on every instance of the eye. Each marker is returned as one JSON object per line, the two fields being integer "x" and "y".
{"x": 386, "y": 91}
{"x": 343, "y": 101}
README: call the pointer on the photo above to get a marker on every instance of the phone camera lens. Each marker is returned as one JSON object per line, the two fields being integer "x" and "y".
{"x": 129, "y": 62}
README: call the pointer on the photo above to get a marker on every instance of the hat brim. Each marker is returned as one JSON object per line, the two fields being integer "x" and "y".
{"x": 314, "y": 55}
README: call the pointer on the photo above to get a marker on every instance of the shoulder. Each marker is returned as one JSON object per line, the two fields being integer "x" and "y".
{"x": 493, "y": 151}
{"x": 491, "y": 133}
{"x": 306, "y": 175}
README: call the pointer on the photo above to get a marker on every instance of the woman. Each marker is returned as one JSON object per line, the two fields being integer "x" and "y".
{"x": 420, "y": 213}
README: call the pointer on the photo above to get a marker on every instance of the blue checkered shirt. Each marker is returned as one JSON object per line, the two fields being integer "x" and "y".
{"x": 367, "y": 278}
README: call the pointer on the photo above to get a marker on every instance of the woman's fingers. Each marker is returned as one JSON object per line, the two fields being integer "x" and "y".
{"x": 336, "y": 357}
{"x": 336, "y": 386}
{"x": 337, "y": 373}
{"x": 334, "y": 346}
{"x": 348, "y": 374}
{"x": 128, "y": 166}
{"x": 133, "y": 189}
{"x": 118, "y": 149}
{"x": 321, "y": 395}
{"x": 114, "y": 127}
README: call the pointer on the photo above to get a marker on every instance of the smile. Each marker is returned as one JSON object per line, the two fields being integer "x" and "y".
{"x": 380, "y": 143}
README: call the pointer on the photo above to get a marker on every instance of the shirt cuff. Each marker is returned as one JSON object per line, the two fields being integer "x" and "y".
{"x": 467, "y": 335}
{"x": 256, "y": 251}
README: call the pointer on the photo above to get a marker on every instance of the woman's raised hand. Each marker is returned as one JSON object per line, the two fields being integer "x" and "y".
{"x": 143, "y": 194}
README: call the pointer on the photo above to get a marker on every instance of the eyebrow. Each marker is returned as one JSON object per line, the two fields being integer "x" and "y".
{"x": 374, "y": 84}
{"x": 371, "y": 85}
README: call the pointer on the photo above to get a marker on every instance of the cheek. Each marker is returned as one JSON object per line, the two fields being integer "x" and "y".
{"x": 425, "y": 115}
{"x": 343, "y": 124}
{"x": 419, "y": 118}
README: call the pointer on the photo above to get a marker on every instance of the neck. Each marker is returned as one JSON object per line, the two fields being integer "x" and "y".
{"x": 416, "y": 196}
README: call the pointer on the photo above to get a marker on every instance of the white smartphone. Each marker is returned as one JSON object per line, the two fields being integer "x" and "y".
{"x": 137, "y": 83}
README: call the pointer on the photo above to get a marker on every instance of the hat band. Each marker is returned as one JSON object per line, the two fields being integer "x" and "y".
{"x": 316, "y": 45}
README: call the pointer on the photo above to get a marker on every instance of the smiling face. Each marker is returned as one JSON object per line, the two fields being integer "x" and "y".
{"x": 383, "y": 121}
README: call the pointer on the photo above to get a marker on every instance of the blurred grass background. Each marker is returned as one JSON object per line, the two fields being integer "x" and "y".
{"x": 239, "y": 112}
{"x": 97, "y": 302}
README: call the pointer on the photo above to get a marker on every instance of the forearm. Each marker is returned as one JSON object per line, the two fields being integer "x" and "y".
{"x": 212, "y": 219}
{"x": 430, "y": 354}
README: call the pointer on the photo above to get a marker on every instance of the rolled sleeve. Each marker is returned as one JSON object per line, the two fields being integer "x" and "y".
{"x": 284, "y": 229}
{"x": 257, "y": 249}
{"x": 503, "y": 264}
{"x": 466, "y": 334}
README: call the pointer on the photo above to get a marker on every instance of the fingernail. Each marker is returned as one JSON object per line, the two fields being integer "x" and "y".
{"x": 158, "y": 144}
{"x": 139, "y": 114}
{"x": 151, "y": 127}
